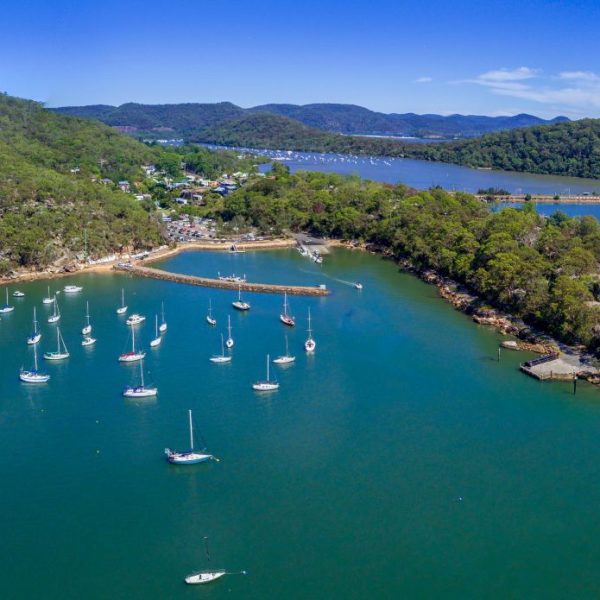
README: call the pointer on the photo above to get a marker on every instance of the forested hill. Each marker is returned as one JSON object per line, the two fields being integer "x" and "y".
{"x": 45, "y": 207}
{"x": 571, "y": 148}
{"x": 183, "y": 120}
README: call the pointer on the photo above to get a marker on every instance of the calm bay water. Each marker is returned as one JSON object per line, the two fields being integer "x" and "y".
{"x": 401, "y": 461}
{"x": 423, "y": 174}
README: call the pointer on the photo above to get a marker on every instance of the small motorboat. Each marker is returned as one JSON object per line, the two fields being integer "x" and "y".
{"x": 72, "y": 289}
{"x": 358, "y": 285}
{"x": 18, "y": 294}
{"x": 88, "y": 341}
{"x": 135, "y": 319}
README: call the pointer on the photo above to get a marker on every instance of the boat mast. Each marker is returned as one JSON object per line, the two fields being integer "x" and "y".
{"x": 156, "y": 324}
{"x": 222, "y": 346}
{"x": 35, "y": 363}
{"x": 267, "y": 368}
{"x": 87, "y": 311}
{"x": 162, "y": 311}
{"x": 122, "y": 297}
{"x": 142, "y": 372}
{"x": 309, "y": 329}
{"x": 229, "y": 326}
{"x": 285, "y": 303}
{"x": 34, "y": 322}
{"x": 133, "y": 340}
{"x": 191, "y": 431}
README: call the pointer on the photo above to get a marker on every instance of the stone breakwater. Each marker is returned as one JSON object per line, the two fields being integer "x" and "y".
{"x": 265, "y": 288}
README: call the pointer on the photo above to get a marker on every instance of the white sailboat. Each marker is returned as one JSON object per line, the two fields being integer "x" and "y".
{"x": 88, "y": 328}
{"x": 210, "y": 574}
{"x": 88, "y": 341}
{"x": 191, "y": 457}
{"x": 220, "y": 358}
{"x": 35, "y": 336}
{"x": 55, "y": 316}
{"x": 267, "y": 385}
{"x": 48, "y": 299}
{"x": 209, "y": 317}
{"x": 134, "y": 355}
{"x": 157, "y": 339}
{"x": 229, "y": 342}
{"x": 7, "y": 308}
{"x": 33, "y": 375}
{"x": 309, "y": 344}
{"x": 239, "y": 304}
{"x": 61, "y": 349}
{"x": 286, "y": 358}
{"x": 284, "y": 317}
{"x": 122, "y": 309}
{"x": 163, "y": 324}
{"x": 140, "y": 391}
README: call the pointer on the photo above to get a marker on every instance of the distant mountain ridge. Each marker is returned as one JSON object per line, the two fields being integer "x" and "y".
{"x": 187, "y": 119}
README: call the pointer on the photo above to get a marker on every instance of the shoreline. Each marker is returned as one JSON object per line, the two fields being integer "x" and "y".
{"x": 159, "y": 254}
{"x": 525, "y": 339}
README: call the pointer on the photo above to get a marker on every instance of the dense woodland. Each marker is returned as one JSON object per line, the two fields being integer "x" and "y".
{"x": 184, "y": 120}
{"x": 544, "y": 270}
{"x": 46, "y": 210}
{"x": 571, "y": 148}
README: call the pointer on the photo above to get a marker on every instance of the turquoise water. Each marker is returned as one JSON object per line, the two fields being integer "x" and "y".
{"x": 400, "y": 461}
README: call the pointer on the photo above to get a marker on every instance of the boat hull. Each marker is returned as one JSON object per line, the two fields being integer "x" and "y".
{"x": 34, "y": 339}
{"x": 131, "y": 357}
{"x": 263, "y": 386}
{"x": 56, "y": 355}
{"x": 140, "y": 392}
{"x": 240, "y": 305}
{"x": 186, "y": 458}
{"x": 33, "y": 377}
{"x": 284, "y": 360}
{"x": 287, "y": 320}
{"x": 122, "y": 310}
{"x": 206, "y": 577}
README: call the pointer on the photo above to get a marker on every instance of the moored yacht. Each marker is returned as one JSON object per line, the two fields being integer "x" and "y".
{"x": 209, "y": 317}
{"x": 33, "y": 375}
{"x": 284, "y": 317}
{"x": 123, "y": 308}
{"x": 190, "y": 457}
{"x": 61, "y": 349}
{"x": 309, "y": 344}
{"x": 35, "y": 336}
{"x": 55, "y": 316}
{"x": 267, "y": 385}
{"x": 134, "y": 355}
{"x": 239, "y": 304}
{"x": 140, "y": 391}
{"x": 7, "y": 308}
{"x": 220, "y": 358}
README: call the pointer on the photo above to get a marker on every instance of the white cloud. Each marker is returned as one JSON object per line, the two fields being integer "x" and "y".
{"x": 424, "y": 80}
{"x": 506, "y": 75}
{"x": 568, "y": 91}
{"x": 579, "y": 76}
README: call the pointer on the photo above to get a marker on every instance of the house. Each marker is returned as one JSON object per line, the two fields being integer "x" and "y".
{"x": 181, "y": 200}
{"x": 149, "y": 169}
{"x": 106, "y": 181}
{"x": 124, "y": 186}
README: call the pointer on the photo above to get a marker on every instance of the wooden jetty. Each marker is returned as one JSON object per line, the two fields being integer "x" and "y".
{"x": 264, "y": 288}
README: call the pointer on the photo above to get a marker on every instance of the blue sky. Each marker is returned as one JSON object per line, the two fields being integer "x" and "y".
{"x": 424, "y": 56}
